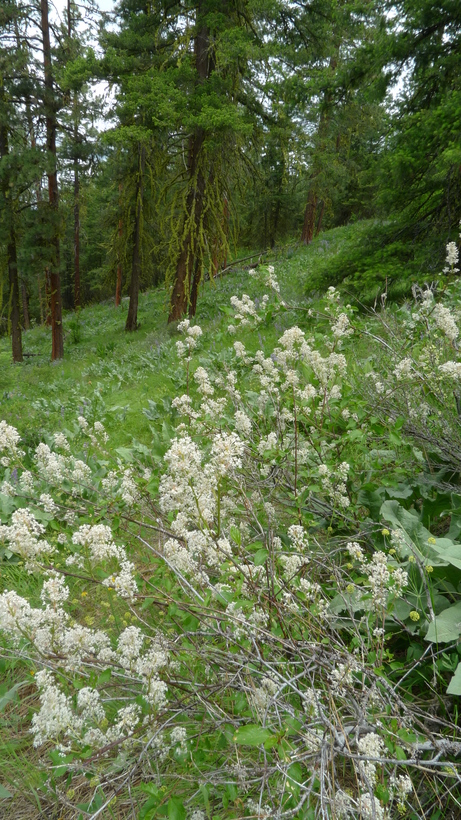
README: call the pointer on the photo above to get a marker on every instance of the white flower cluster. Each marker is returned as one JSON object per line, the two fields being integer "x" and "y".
{"x": 452, "y": 258}
{"x": 404, "y": 369}
{"x": 23, "y": 537}
{"x": 61, "y": 442}
{"x": 370, "y": 746}
{"x": 335, "y": 484}
{"x": 60, "y": 722}
{"x": 52, "y": 467}
{"x": 341, "y": 327}
{"x": 446, "y": 322}
{"x": 266, "y": 275}
{"x": 9, "y": 439}
{"x": 383, "y": 580}
{"x": 246, "y": 311}
{"x": 98, "y": 547}
{"x": 192, "y": 334}
{"x": 202, "y": 379}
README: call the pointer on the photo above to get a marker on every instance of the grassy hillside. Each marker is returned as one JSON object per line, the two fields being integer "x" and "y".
{"x": 231, "y": 588}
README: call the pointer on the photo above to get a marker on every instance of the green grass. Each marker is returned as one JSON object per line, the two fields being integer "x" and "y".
{"x": 111, "y": 374}
{"x": 126, "y": 381}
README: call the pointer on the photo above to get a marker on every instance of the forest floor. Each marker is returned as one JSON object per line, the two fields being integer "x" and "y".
{"x": 112, "y": 374}
{"x": 126, "y": 381}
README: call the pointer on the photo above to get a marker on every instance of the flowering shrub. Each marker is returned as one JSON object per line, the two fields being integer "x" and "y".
{"x": 250, "y": 623}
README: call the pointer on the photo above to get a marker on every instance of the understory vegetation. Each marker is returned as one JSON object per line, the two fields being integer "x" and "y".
{"x": 231, "y": 558}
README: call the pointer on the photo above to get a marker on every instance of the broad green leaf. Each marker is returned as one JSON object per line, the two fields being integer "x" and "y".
{"x": 125, "y": 454}
{"x": 454, "y": 687}
{"x": 11, "y": 695}
{"x": 4, "y": 793}
{"x": 417, "y": 536}
{"x": 446, "y": 626}
{"x": 176, "y": 810}
{"x": 252, "y": 735}
{"x": 260, "y": 557}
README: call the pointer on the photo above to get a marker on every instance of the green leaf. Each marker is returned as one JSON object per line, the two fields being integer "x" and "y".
{"x": 11, "y": 695}
{"x": 252, "y": 735}
{"x": 446, "y": 626}
{"x": 454, "y": 687}
{"x": 4, "y": 793}
{"x": 400, "y": 753}
{"x": 105, "y": 676}
{"x": 260, "y": 557}
{"x": 125, "y": 454}
{"x": 176, "y": 810}
{"x": 417, "y": 536}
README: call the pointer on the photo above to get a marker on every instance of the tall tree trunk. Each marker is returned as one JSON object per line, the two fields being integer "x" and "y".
{"x": 188, "y": 268}
{"x": 57, "y": 341}
{"x": 16, "y": 338}
{"x": 309, "y": 229}
{"x": 320, "y": 219}
{"x": 11, "y": 254}
{"x": 118, "y": 285}
{"x": 307, "y": 234}
{"x": 77, "y": 295}
{"x": 132, "y": 318}
{"x": 25, "y": 306}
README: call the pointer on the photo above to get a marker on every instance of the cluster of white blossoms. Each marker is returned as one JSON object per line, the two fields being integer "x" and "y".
{"x": 23, "y": 537}
{"x": 341, "y": 677}
{"x": 334, "y": 483}
{"x": 60, "y": 441}
{"x": 247, "y": 311}
{"x": 383, "y": 580}
{"x": 370, "y": 746}
{"x": 202, "y": 379}
{"x": 452, "y": 257}
{"x": 445, "y": 322}
{"x": 341, "y": 327}
{"x": 9, "y": 440}
{"x": 266, "y": 275}
{"x": 98, "y": 547}
{"x": 192, "y": 334}
{"x": 405, "y": 369}
{"x": 85, "y": 724}
{"x": 52, "y": 467}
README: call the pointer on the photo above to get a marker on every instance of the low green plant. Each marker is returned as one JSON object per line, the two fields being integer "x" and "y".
{"x": 256, "y": 613}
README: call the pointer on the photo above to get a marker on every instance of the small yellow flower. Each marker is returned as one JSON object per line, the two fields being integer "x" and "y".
{"x": 349, "y": 566}
{"x": 415, "y": 616}
{"x": 350, "y": 588}
{"x": 431, "y": 540}
{"x": 83, "y": 593}
{"x": 429, "y": 569}
{"x": 32, "y": 672}
{"x": 385, "y": 531}
{"x": 411, "y": 559}
{"x": 392, "y": 552}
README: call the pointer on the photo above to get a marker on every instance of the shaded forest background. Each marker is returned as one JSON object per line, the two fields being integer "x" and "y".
{"x": 157, "y": 143}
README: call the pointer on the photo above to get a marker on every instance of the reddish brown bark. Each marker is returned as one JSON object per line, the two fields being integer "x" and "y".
{"x": 12, "y": 263}
{"x": 188, "y": 269}
{"x": 118, "y": 285}
{"x": 57, "y": 340}
{"x": 77, "y": 295}
{"x": 132, "y": 318}
{"x": 307, "y": 233}
{"x": 25, "y": 305}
